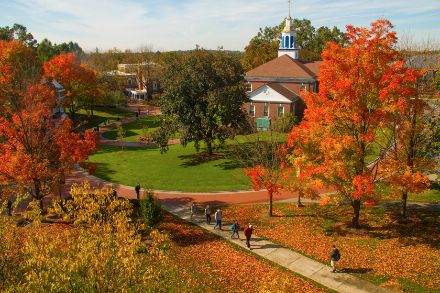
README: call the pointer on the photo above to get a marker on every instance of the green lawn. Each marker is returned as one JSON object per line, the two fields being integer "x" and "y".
{"x": 101, "y": 115}
{"x": 136, "y": 129}
{"x": 178, "y": 169}
{"x": 431, "y": 195}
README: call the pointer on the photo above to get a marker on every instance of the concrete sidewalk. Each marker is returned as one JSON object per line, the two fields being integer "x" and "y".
{"x": 287, "y": 258}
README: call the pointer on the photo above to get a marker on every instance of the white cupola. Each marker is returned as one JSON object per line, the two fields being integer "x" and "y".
{"x": 288, "y": 40}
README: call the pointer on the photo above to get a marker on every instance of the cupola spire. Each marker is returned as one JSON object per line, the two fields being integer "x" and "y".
{"x": 288, "y": 39}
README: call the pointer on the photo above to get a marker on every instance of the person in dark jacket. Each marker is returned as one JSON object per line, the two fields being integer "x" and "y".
{"x": 248, "y": 233}
{"x": 137, "y": 188}
{"x": 335, "y": 256}
{"x": 235, "y": 227}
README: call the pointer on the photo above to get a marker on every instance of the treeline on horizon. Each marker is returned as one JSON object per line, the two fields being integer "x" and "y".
{"x": 261, "y": 48}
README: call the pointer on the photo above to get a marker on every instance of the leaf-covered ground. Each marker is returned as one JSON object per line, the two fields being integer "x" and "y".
{"x": 384, "y": 252}
{"x": 209, "y": 264}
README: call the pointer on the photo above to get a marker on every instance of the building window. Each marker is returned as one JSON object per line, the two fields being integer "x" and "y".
{"x": 266, "y": 111}
{"x": 248, "y": 86}
{"x": 252, "y": 110}
{"x": 303, "y": 87}
{"x": 280, "y": 111}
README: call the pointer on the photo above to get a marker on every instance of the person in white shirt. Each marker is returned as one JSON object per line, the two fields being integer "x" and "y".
{"x": 218, "y": 219}
{"x": 208, "y": 214}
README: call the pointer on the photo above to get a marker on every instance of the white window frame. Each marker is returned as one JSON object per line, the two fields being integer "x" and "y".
{"x": 278, "y": 111}
{"x": 248, "y": 90}
{"x": 266, "y": 106}
{"x": 252, "y": 106}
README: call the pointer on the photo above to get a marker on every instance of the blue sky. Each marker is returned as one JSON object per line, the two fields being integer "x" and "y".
{"x": 181, "y": 24}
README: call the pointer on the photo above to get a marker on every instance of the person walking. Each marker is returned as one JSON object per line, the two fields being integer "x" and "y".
{"x": 248, "y": 233}
{"x": 208, "y": 214}
{"x": 218, "y": 219}
{"x": 193, "y": 210}
{"x": 137, "y": 188}
{"x": 235, "y": 227}
{"x": 335, "y": 256}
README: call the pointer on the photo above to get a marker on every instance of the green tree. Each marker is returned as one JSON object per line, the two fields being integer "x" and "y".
{"x": 17, "y": 32}
{"x": 205, "y": 92}
{"x": 120, "y": 135}
{"x": 263, "y": 47}
{"x": 46, "y": 50}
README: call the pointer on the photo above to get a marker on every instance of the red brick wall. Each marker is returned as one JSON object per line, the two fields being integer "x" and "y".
{"x": 273, "y": 109}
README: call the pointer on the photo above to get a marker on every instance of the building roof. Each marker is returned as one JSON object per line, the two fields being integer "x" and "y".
{"x": 286, "y": 66}
{"x": 282, "y": 90}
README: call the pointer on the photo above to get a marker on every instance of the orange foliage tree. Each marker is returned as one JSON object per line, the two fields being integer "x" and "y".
{"x": 270, "y": 172}
{"x": 36, "y": 152}
{"x": 417, "y": 133}
{"x": 79, "y": 82}
{"x": 19, "y": 68}
{"x": 361, "y": 85}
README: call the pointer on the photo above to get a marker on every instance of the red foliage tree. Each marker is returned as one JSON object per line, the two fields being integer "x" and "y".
{"x": 36, "y": 151}
{"x": 271, "y": 172}
{"x": 19, "y": 68}
{"x": 79, "y": 82}
{"x": 360, "y": 86}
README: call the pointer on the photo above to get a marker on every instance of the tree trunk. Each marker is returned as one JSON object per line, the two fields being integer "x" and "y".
{"x": 37, "y": 195}
{"x": 72, "y": 113}
{"x": 356, "y": 210}
{"x": 404, "y": 201}
{"x": 209, "y": 147}
{"x": 299, "y": 203}
{"x": 270, "y": 204}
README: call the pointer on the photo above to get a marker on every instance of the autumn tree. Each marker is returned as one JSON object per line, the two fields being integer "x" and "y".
{"x": 147, "y": 69}
{"x": 263, "y": 47}
{"x": 19, "y": 69}
{"x": 416, "y": 149}
{"x": 263, "y": 157}
{"x": 37, "y": 152}
{"x": 101, "y": 249}
{"x": 361, "y": 85}
{"x": 79, "y": 81}
{"x": 205, "y": 92}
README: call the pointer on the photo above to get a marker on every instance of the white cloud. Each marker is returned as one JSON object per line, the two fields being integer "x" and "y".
{"x": 180, "y": 24}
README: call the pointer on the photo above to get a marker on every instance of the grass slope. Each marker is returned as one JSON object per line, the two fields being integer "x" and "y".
{"x": 179, "y": 169}
{"x": 135, "y": 129}
{"x": 101, "y": 115}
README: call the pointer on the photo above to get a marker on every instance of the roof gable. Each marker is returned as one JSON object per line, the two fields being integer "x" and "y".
{"x": 273, "y": 93}
{"x": 285, "y": 66}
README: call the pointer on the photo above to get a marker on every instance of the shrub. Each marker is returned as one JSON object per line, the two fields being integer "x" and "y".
{"x": 150, "y": 211}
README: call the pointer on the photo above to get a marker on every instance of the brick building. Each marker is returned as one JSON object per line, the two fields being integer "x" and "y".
{"x": 274, "y": 88}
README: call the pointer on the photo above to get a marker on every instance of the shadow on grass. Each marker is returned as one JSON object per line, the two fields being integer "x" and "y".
{"x": 354, "y": 270}
{"x": 421, "y": 229}
{"x": 214, "y": 204}
{"x": 197, "y": 159}
{"x": 184, "y": 234}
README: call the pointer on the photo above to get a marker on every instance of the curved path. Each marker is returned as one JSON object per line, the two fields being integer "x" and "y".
{"x": 176, "y": 197}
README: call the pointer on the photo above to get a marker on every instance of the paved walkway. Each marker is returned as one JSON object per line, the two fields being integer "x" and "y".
{"x": 286, "y": 258}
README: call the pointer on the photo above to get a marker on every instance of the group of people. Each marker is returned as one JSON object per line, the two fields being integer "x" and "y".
{"x": 335, "y": 255}
{"x": 235, "y": 227}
